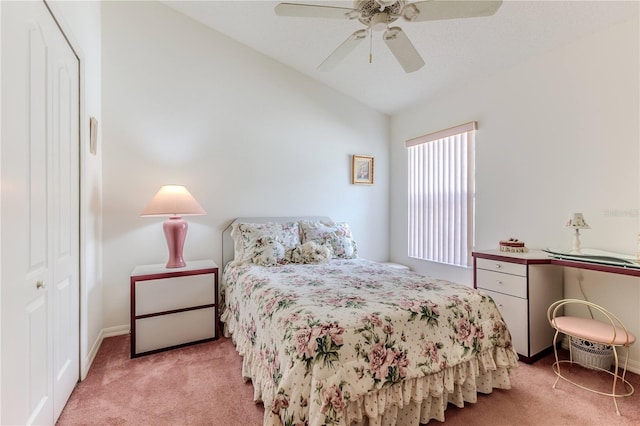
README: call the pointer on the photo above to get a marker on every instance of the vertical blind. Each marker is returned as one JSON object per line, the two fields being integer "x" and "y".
{"x": 441, "y": 195}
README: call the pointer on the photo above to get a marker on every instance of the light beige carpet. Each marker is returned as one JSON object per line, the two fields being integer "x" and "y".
{"x": 202, "y": 385}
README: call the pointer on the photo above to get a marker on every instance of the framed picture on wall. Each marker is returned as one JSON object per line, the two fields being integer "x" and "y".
{"x": 362, "y": 170}
{"x": 93, "y": 135}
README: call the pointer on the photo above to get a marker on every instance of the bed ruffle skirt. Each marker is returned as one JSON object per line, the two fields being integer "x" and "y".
{"x": 419, "y": 400}
{"x": 410, "y": 403}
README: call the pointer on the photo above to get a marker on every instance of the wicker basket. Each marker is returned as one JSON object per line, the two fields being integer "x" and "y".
{"x": 591, "y": 355}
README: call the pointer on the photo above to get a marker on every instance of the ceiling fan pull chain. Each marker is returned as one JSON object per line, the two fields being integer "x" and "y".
{"x": 370, "y": 47}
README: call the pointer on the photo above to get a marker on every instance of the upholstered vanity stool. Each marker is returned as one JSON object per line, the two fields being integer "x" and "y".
{"x": 607, "y": 330}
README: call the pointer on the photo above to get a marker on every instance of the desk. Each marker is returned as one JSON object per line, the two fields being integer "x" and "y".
{"x": 523, "y": 285}
{"x": 539, "y": 257}
{"x": 613, "y": 269}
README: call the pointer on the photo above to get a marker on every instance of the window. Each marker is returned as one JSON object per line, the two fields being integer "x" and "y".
{"x": 441, "y": 195}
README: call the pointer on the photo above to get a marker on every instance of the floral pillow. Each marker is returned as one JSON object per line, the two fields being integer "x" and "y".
{"x": 311, "y": 252}
{"x": 246, "y": 235}
{"x": 269, "y": 251}
{"x": 336, "y": 235}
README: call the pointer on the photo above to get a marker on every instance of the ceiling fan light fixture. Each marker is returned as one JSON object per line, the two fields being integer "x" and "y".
{"x": 379, "y": 22}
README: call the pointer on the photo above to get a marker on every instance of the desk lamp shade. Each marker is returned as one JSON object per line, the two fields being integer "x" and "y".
{"x": 577, "y": 222}
{"x": 174, "y": 201}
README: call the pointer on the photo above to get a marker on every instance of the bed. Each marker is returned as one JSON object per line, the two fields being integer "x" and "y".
{"x": 335, "y": 339}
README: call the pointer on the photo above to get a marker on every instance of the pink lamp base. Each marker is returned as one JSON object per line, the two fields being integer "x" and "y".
{"x": 175, "y": 231}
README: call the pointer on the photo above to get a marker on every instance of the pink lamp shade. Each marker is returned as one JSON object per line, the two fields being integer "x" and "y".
{"x": 174, "y": 201}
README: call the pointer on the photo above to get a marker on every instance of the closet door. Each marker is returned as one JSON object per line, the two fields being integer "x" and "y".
{"x": 64, "y": 219}
{"x": 39, "y": 216}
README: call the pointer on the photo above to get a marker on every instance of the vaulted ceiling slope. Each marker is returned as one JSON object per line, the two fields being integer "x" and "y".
{"x": 454, "y": 51}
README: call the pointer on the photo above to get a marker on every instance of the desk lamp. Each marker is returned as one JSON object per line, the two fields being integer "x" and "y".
{"x": 174, "y": 201}
{"x": 576, "y": 221}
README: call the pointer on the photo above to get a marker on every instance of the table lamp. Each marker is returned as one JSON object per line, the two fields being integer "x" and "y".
{"x": 577, "y": 222}
{"x": 174, "y": 201}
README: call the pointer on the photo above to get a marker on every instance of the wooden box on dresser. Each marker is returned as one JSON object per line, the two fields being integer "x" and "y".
{"x": 523, "y": 285}
{"x": 173, "y": 307}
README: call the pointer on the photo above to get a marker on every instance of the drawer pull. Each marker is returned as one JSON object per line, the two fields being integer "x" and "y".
{"x": 499, "y": 282}
{"x": 498, "y": 266}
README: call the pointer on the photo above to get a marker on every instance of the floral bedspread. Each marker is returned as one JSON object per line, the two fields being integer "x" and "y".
{"x": 318, "y": 338}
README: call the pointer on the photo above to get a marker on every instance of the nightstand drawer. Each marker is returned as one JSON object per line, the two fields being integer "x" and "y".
{"x": 168, "y": 294}
{"x": 513, "y": 285}
{"x": 500, "y": 266}
{"x": 174, "y": 329}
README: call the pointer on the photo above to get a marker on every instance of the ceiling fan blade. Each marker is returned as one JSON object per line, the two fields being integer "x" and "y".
{"x": 314, "y": 11}
{"x": 343, "y": 50}
{"x": 433, "y": 10}
{"x": 402, "y": 49}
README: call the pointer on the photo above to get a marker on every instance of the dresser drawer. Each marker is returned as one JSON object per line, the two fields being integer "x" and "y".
{"x": 513, "y": 285}
{"x": 167, "y": 294}
{"x": 174, "y": 329}
{"x": 514, "y": 311}
{"x": 500, "y": 266}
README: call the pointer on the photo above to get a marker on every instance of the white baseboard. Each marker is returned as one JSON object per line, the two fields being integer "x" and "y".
{"x": 88, "y": 361}
{"x": 91, "y": 356}
{"x": 115, "y": 331}
{"x": 634, "y": 366}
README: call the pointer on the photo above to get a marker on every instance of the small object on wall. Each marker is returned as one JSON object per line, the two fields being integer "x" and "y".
{"x": 362, "y": 170}
{"x": 577, "y": 222}
{"x": 512, "y": 245}
{"x": 93, "y": 135}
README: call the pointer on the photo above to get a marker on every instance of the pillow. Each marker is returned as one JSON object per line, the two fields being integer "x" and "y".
{"x": 269, "y": 251}
{"x": 311, "y": 252}
{"x": 336, "y": 235}
{"x": 245, "y": 237}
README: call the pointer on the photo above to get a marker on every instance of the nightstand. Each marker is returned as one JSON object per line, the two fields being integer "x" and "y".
{"x": 173, "y": 307}
{"x": 522, "y": 285}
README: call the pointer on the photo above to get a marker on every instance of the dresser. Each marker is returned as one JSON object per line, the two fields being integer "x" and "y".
{"x": 523, "y": 286}
{"x": 173, "y": 307}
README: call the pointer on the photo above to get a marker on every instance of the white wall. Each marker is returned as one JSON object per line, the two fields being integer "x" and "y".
{"x": 557, "y": 134}
{"x": 247, "y": 136}
{"x": 80, "y": 21}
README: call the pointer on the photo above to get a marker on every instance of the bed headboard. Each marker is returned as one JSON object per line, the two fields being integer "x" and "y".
{"x": 227, "y": 241}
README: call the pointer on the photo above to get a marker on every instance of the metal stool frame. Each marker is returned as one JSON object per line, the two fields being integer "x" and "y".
{"x": 614, "y": 322}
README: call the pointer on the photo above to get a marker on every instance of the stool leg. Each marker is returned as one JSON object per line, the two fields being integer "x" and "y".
{"x": 624, "y": 371}
{"x": 557, "y": 363}
{"x": 615, "y": 379}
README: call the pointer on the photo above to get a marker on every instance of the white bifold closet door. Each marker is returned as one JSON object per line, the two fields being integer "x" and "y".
{"x": 39, "y": 216}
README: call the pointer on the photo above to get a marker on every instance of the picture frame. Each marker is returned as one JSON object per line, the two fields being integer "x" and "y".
{"x": 93, "y": 135}
{"x": 362, "y": 170}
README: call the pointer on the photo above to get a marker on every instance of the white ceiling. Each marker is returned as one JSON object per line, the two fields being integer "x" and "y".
{"x": 454, "y": 50}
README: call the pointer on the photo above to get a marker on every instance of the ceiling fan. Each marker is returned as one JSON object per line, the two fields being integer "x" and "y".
{"x": 377, "y": 15}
